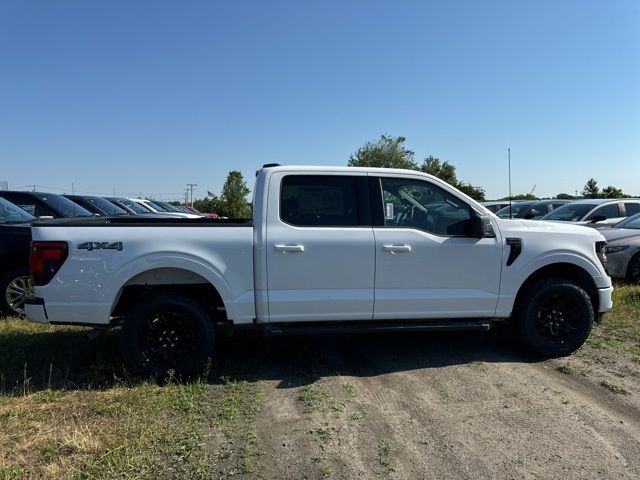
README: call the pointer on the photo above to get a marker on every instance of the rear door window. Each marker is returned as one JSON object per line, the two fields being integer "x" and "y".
{"x": 319, "y": 200}
{"x": 609, "y": 211}
{"x": 632, "y": 208}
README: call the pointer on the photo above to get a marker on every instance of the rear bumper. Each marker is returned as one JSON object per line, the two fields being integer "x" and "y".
{"x": 605, "y": 301}
{"x": 67, "y": 313}
{"x": 35, "y": 310}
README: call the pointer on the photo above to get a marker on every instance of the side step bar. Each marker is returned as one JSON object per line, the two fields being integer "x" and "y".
{"x": 374, "y": 327}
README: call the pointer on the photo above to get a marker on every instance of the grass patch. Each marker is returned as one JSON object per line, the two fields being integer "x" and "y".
{"x": 564, "y": 368}
{"x": 313, "y": 398}
{"x": 613, "y": 388}
{"x": 620, "y": 328}
{"x": 69, "y": 411}
{"x": 239, "y": 452}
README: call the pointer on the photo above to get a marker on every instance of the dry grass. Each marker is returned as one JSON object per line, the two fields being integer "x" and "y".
{"x": 620, "y": 328}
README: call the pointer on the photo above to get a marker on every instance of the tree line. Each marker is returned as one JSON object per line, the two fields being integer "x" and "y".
{"x": 386, "y": 152}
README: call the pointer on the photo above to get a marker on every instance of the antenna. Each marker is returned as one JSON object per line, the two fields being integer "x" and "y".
{"x": 510, "y": 200}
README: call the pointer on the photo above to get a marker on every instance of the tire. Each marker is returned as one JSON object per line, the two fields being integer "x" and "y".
{"x": 11, "y": 298}
{"x": 167, "y": 334}
{"x": 633, "y": 269}
{"x": 554, "y": 318}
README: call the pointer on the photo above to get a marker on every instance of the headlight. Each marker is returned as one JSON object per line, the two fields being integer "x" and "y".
{"x": 614, "y": 249}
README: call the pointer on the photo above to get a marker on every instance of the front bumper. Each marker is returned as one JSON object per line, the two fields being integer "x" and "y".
{"x": 605, "y": 301}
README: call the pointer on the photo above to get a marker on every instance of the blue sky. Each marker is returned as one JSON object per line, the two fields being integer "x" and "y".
{"x": 147, "y": 96}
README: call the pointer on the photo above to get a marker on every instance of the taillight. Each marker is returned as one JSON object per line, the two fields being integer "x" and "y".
{"x": 46, "y": 259}
{"x": 600, "y": 251}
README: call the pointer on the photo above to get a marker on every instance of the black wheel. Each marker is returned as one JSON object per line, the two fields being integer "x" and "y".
{"x": 15, "y": 288}
{"x": 633, "y": 269}
{"x": 554, "y": 318}
{"x": 169, "y": 333}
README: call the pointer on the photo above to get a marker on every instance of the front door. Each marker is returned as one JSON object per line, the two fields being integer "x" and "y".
{"x": 320, "y": 248}
{"x": 427, "y": 264}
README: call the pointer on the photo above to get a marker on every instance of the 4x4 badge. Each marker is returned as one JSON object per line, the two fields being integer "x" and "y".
{"x": 100, "y": 246}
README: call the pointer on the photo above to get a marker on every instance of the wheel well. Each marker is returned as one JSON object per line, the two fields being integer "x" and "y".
{"x": 163, "y": 281}
{"x": 563, "y": 270}
{"x": 14, "y": 260}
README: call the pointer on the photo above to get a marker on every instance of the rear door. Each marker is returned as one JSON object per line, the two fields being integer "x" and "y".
{"x": 427, "y": 263}
{"x": 320, "y": 247}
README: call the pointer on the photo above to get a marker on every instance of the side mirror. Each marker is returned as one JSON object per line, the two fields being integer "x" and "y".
{"x": 529, "y": 216}
{"x": 481, "y": 227}
{"x": 598, "y": 218}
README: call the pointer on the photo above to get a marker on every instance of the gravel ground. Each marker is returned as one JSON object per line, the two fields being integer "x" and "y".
{"x": 442, "y": 406}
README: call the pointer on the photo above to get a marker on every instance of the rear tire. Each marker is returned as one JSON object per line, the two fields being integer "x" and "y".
{"x": 167, "y": 334}
{"x": 554, "y": 318}
{"x": 15, "y": 288}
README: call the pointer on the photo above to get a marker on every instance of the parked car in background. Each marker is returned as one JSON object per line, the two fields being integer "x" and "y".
{"x": 516, "y": 207}
{"x": 45, "y": 205}
{"x": 155, "y": 208}
{"x": 540, "y": 208}
{"x": 623, "y": 258}
{"x": 15, "y": 238}
{"x": 175, "y": 209}
{"x": 97, "y": 205}
{"x": 198, "y": 212}
{"x": 596, "y": 213}
{"x": 130, "y": 206}
{"x": 494, "y": 206}
{"x": 623, "y": 249}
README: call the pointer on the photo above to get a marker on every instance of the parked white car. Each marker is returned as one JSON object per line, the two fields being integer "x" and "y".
{"x": 155, "y": 208}
{"x": 330, "y": 249}
{"x": 596, "y": 213}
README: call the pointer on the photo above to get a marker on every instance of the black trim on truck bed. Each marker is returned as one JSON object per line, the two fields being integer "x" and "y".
{"x": 140, "y": 221}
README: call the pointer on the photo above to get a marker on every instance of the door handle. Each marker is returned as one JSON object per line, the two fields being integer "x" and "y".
{"x": 396, "y": 248}
{"x": 289, "y": 248}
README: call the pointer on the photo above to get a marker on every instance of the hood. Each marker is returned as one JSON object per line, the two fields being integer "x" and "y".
{"x": 544, "y": 226}
{"x": 612, "y": 234}
{"x": 626, "y": 240}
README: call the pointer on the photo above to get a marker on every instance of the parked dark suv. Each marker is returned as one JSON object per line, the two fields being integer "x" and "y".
{"x": 48, "y": 205}
{"x": 15, "y": 238}
{"x": 97, "y": 205}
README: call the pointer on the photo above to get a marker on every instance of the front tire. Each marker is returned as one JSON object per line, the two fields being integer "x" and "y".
{"x": 554, "y": 318}
{"x": 167, "y": 334}
{"x": 633, "y": 270}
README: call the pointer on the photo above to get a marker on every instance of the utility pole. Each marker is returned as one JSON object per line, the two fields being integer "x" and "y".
{"x": 191, "y": 187}
{"x": 509, "y": 160}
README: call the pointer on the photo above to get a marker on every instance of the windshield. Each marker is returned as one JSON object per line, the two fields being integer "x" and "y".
{"x": 515, "y": 209}
{"x": 10, "y": 213}
{"x": 571, "y": 212}
{"x": 168, "y": 207}
{"x": 106, "y": 206}
{"x": 156, "y": 206}
{"x": 630, "y": 222}
{"x": 135, "y": 206}
{"x": 63, "y": 205}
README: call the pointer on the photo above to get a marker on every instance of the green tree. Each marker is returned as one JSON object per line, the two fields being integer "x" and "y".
{"x": 591, "y": 189}
{"x": 612, "y": 192}
{"x": 477, "y": 193}
{"x": 565, "y": 196}
{"x": 208, "y": 205}
{"x": 387, "y": 152}
{"x": 522, "y": 196}
{"x": 443, "y": 170}
{"x": 233, "y": 199}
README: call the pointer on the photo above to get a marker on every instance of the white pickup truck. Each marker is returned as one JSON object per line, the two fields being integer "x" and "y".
{"x": 329, "y": 249}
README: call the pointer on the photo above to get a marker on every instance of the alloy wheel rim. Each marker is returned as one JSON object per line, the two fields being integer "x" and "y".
{"x": 19, "y": 290}
{"x": 558, "y": 319}
{"x": 167, "y": 339}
